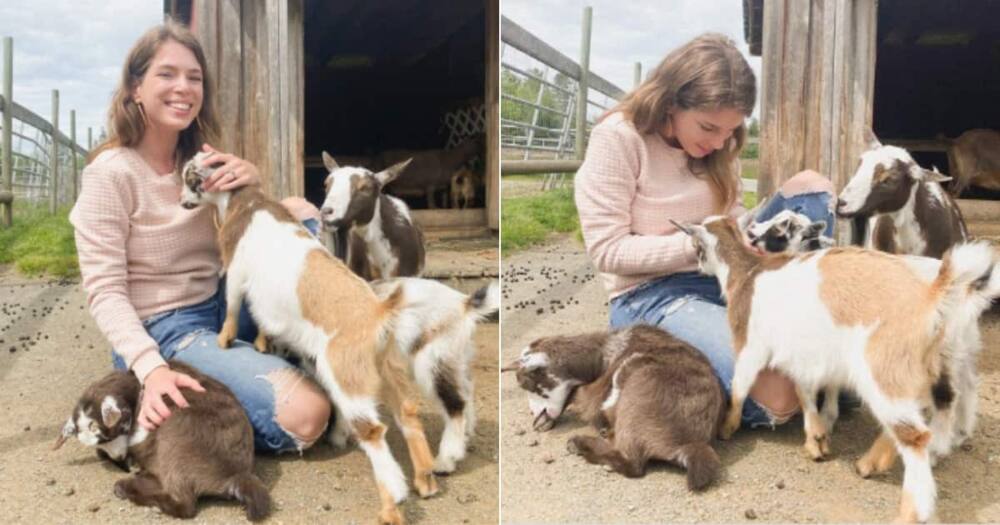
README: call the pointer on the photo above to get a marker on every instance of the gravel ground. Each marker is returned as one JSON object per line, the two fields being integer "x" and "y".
{"x": 50, "y": 350}
{"x": 553, "y": 290}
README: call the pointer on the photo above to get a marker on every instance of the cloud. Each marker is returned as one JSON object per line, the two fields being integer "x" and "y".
{"x": 77, "y": 47}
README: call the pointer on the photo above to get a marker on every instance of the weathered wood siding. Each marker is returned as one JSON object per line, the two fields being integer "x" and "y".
{"x": 254, "y": 52}
{"x": 492, "y": 101}
{"x": 817, "y": 90}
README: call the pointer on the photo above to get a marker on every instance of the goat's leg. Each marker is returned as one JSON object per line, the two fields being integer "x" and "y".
{"x": 943, "y": 426}
{"x": 831, "y": 407}
{"x": 967, "y": 382}
{"x": 456, "y": 401}
{"x": 145, "y": 490}
{"x": 903, "y": 420}
{"x": 235, "y": 278}
{"x": 260, "y": 343}
{"x": 817, "y": 445}
{"x": 750, "y": 362}
{"x": 879, "y": 458}
{"x": 600, "y": 451}
{"x": 396, "y": 388}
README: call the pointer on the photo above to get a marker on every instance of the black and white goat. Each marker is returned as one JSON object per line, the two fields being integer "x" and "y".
{"x": 910, "y": 213}
{"x": 866, "y": 320}
{"x": 788, "y": 231}
{"x": 383, "y": 241}
{"x": 652, "y": 396}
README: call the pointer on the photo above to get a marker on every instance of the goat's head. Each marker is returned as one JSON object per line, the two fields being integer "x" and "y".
{"x": 548, "y": 392}
{"x": 883, "y": 182}
{"x": 193, "y": 177}
{"x": 351, "y": 192}
{"x": 788, "y": 231}
{"x": 104, "y": 412}
{"x": 715, "y": 240}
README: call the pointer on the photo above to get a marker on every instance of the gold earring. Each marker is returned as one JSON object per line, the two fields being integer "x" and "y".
{"x": 142, "y": 112}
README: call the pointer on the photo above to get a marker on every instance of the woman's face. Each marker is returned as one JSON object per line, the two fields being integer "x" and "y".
{"x": 699, "y": 133}
{"x": 171, "y": 90}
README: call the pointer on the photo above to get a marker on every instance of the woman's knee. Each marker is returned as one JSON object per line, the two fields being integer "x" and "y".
{"x": 776, "y": 393}
{"x": 807, "y": 181}
{"x": 301, "y": 407}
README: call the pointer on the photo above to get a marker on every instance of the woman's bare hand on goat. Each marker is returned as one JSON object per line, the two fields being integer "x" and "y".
{"x": 233, "y": 172}
{"x": 162, "y": 381}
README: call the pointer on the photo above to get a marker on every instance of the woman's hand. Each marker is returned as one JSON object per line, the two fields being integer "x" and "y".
{"x": 163, "y": 381}
{"x": 233, "y": 173}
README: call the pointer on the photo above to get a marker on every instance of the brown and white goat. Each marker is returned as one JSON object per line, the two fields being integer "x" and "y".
{"x": 311, "y": 302}
{"x": 383, "y": 240}
{"x": 909, "y": 211}
{"x": 463, "y": 188}
{"x": 205, "y": 449}
{"x": 860, "y": 319}
{"x": 651, "y": 394}
{"x": 430, "y": 170}
{"x": 974, "y": 159}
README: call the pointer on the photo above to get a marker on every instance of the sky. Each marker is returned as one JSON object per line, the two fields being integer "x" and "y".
{"x": 77, "y": 47}
{"x": 624, "y": 32}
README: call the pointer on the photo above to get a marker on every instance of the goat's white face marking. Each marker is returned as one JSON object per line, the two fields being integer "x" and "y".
{"x": 340, "y": 192}
{"x": 855, "y": 194}
{"x": 706, "y": 245}
{"x": 88, "y": 431}
{"x": 193, "y": 175}
{"x": 788, "y": 231}
{"x": 547, "y": 406}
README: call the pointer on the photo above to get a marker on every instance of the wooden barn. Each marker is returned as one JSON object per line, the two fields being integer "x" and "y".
{"x": 917, "y": 72}
{"x": 356, "y": 78}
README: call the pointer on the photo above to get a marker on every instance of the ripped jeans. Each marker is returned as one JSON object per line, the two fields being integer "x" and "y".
{"x": 188, "y": 334}
{"x": 690, "y": 306}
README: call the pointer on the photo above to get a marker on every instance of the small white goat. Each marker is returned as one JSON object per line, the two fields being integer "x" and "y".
{"x": 910, "y": 213}
{"x": 860, "y": 319}
{"x": 383, "y": 240}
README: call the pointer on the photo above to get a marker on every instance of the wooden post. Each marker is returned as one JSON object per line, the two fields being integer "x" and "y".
{"x": 90, "y": 139}
{"x": 581, "y": 96}
{"x": 72, "y": 149}
{"x": 638, "y": 75}
{"x": 54, "y": 155}
{"x": 492, "y": 102}
{"x": 7, "y": 193}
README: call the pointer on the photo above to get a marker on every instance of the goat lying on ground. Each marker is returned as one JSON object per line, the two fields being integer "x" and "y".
{"x": 861, "y": 319}
{"x": 205, "y": 449}
{"x": 383, "y": 241}
{"x": 654, "y": 396}
{"x": 309, "y": 301}
{"x": 909, "y": 211}
{"x": 974, "y": 159}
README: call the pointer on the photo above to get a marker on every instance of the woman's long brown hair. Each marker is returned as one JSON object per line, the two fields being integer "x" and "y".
{"x": 126, "y": 124}
{"x": 706, "y": 74}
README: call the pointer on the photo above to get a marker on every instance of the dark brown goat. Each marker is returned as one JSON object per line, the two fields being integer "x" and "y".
{"x": 430, "y": 170}
{"x": 651, "y": 395}
{"x": 205, "y": 449}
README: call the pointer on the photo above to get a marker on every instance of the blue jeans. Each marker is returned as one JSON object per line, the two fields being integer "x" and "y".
{"x": 188, "y": 334}
{"x": 690, "y": 306}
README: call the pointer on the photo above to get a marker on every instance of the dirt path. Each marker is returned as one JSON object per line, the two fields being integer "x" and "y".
{"x": 552, "y": 290}
{"x": 50, "y": 350}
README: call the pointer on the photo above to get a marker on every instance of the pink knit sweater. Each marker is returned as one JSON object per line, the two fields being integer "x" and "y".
{"x": 140, "y": 252}
{"x": 626, "y": 190}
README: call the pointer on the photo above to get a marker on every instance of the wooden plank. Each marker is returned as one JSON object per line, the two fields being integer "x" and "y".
{"x": 812, "y": 130}
{"x": 449, "y": 218}
{"x": 296, "y": 88}
{"x": 491, "y": 99}
{"x": 230, "y": 79}
{"x": 521, "y": 167}
{"x": 254, "y": 102}
{"x": 54, "y": 157}
{"x": 772, "y": 69}
{"x": 828, "y": 79}
{"x": 519, "y": 38}
{"x": 274, "y": 139}
{"x": 794, "y": 88}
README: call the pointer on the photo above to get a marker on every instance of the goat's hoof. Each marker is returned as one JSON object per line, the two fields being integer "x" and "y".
{"x": 390, "y": 517}
{"x": 727, "y": 430}
{"x": 426, "y": 485}
{"x": 224, "y": 341}
{"x": 444, "y": 466}
{"x": 817, "y": 448}
{"x": 121, "y": 491}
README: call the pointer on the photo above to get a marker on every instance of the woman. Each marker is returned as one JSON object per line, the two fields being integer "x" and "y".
{"x": 670, "y": 150}
{"x": 150, "y": 268}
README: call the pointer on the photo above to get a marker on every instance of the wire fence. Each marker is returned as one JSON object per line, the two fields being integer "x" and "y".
{"x": 40, "y": 164}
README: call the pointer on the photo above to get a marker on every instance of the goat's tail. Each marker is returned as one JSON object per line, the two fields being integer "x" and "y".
{"x": 249, "y": 490}
{"x": 702, "y": 464}
{"x": 970, "y": 280}
{"x": 484, "y": 301}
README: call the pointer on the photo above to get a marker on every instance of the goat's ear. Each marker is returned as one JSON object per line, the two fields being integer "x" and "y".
{"x": 815, "y": 229}
{"x": 111, "y": 413}
{"x": 871, "y": 140}
{"x": 328, "y": 162}
{"x": 932, "y": 176}
{"x": 513, "y": 366}
{"x": 68, "y": 431}
{"x": 389, "y": 174}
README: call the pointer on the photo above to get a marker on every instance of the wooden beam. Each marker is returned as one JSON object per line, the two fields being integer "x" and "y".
{"x": 491, "y": 99}
{"x": 525, "y": 167}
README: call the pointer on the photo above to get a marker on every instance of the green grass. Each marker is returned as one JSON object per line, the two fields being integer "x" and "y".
{"x": 39, "y": 243}
{"x": 526, "y": 221}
